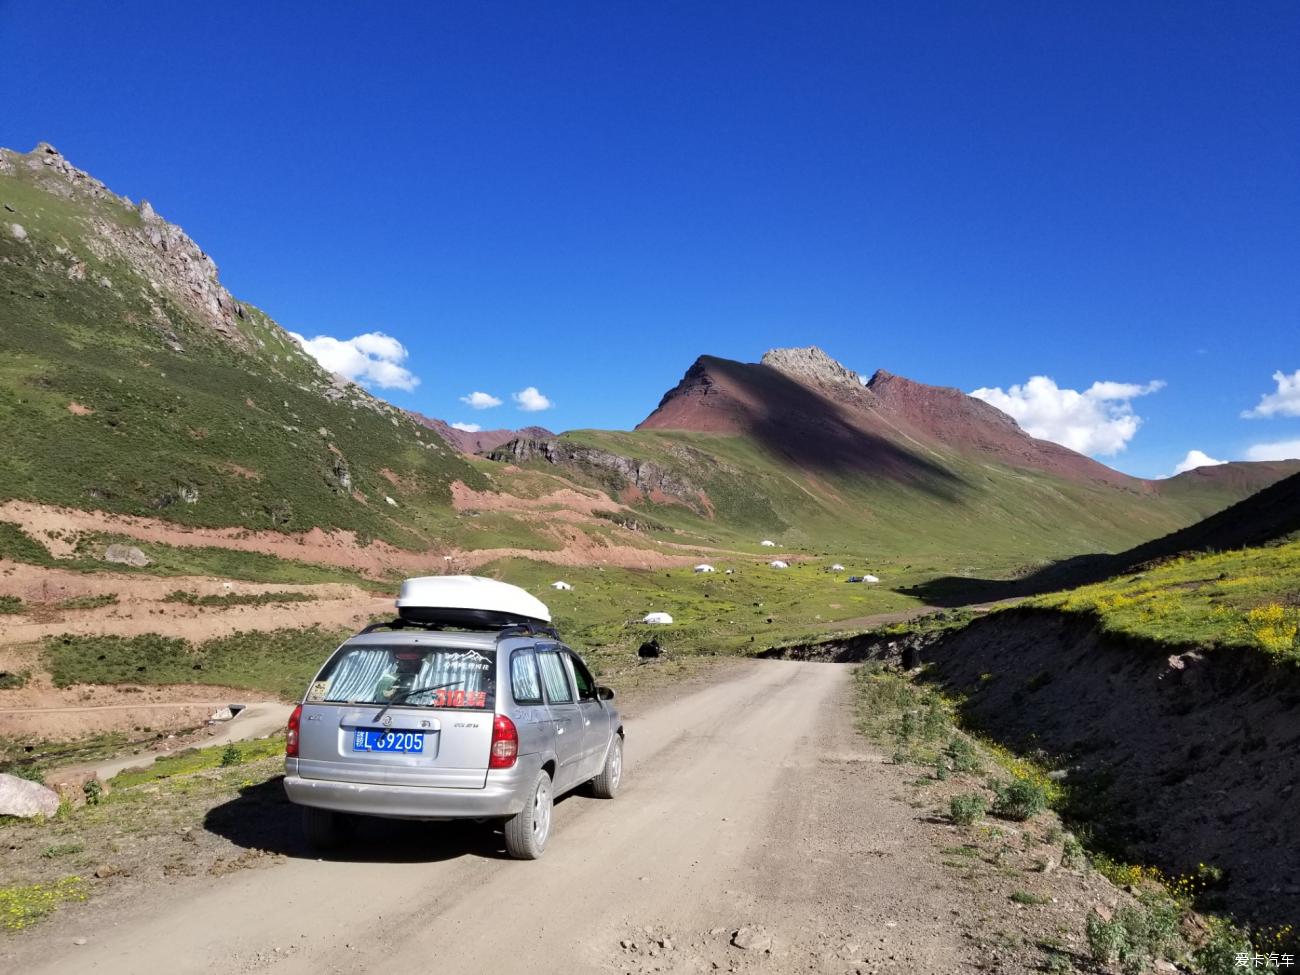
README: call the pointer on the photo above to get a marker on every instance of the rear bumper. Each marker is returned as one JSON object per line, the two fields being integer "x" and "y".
{"x": 503, "y": 796}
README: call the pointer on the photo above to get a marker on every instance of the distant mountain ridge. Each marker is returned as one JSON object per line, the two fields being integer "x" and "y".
{"x": 477, "y": 441}
{"x": 132, "y": 381}
{"x": 805, "y": 404}
{"x": 799, "y": 444}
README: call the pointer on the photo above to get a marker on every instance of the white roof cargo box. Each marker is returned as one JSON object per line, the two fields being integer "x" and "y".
{"x": 469, "y": 601}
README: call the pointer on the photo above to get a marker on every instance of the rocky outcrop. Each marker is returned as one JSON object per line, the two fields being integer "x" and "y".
{"x": 811, "y": 365}
{"x": 172, "y": 267}
{"x": 25, "y": 799}
{"x": 127, "y": 555}
{"x": 614, "y": 470}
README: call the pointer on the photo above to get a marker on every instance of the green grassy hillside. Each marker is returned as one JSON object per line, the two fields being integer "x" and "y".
{"x": 116, "y": 392}
{"x": 1244, "y": 599}
{"x": 980, "y": 518}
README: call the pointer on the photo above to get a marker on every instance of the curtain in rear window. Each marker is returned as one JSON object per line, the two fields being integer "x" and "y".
{"x": 356, "y": 675}
{"x": 557, "y": 684}
{"x": 524, "y": 683}
{"x": 375, "y": 675}
{"x": 464, "y": 671}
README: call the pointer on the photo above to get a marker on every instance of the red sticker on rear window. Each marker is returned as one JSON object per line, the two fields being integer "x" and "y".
{"x": 443, "y": 698}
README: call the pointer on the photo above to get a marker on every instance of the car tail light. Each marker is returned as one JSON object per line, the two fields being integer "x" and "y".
{"x": 291, "y": 734}
{"x": 505, "y": 743}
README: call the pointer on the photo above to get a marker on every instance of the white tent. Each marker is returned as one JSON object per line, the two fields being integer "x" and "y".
{"x": 870, "y": 579}
{"x": 660, "y": 618}
{"x": 768, "y": 543}
{"x": 778, "y": 564}
{"x": 705, "y": 568}
{"x": 837, "y": 567}
{"x": 560, "y": 585}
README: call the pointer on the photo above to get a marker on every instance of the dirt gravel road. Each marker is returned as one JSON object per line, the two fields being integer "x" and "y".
{"x": 756, "y": 832}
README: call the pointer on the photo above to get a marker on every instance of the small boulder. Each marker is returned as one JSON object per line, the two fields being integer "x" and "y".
{"x": 17, "y": 231}
{"x": 127, "y": 555}
{"x": 27, "y": 800}
{"x": 755, "y": 938}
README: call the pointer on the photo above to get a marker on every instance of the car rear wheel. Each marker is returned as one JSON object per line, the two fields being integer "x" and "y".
{"x": 324, "y": 828}
{"x": 605, "y": 785}
{"x": 529, "y": 829}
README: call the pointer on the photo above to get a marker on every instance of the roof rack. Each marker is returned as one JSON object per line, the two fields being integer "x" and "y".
{"x": 510, "y": 629}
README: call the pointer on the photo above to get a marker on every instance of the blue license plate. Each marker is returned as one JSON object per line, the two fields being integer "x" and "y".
{"x": 365, "y": 740}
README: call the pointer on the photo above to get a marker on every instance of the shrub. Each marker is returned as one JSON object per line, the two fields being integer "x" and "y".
{"x": 1160, "y": 917}
{"x": 231, "y": 756}
{"x": 10, "y": 681}
{"x": 61, "y": 850}
{"x": 1072, "y": 854}
{"x": 89, "y": 602}
{"x": 1025, "y": 897}
{"x": 1107, "y": 940}
{"x": 966, "y": 808}
{"x": 1137, "y": 934}
{"x": 1019, "y": 800}
{"x": 963, "y": 755}
{"x": 1218, "y": 956}
{"x": 935, "y": 720}
{"x": 10, "y": 604}
{"x": 25, "y": 770}
{"x": 93, "y": 790}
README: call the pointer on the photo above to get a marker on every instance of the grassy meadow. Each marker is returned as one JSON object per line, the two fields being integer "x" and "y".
{"x": 1245, "y": 599}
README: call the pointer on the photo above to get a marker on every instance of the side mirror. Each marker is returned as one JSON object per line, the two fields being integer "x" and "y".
{"x": 604, "y": 693}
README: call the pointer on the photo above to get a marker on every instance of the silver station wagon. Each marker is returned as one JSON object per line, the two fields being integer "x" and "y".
{"x": 467, "y": 706}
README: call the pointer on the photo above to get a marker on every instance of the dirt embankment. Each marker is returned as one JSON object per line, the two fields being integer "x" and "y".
{"x": 1177, "y": 757}
{"x": 141, "y": 605}
{"x": 56, "y": 528}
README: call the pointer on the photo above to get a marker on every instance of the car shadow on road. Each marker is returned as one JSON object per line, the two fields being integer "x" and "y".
{"x": 263, "y": 818}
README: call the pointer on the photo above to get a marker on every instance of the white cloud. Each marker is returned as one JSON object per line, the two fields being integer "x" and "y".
{"x": 371, "y": 359}
{"x": 1285, "y": 402}
{"x": 1100, "y": 420}
{"x": 1195, "y": 459}
{"x": 1280, "y": 450}
{"x": 466, "y": 427}
{"x": 480, "y": 401}
{"x": 532, "y": 401}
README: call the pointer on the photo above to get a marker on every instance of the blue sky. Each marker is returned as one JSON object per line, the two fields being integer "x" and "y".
{"x": 582, "y": 198}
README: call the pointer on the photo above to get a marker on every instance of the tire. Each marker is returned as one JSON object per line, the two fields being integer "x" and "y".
{"x": 605, "y": 785}
{"x": 528, "y": 830}
{"x": 324, "y": 828}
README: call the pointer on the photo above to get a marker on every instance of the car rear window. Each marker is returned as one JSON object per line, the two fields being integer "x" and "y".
{"x": 411, "y": 676}
{"x": 525, "y": 684}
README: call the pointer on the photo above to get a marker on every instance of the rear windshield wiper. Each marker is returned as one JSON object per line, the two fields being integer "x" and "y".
{"x": 411, "y": 693}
